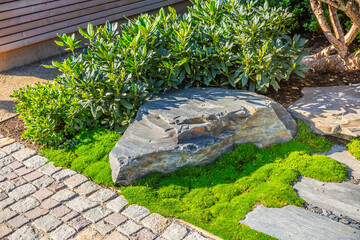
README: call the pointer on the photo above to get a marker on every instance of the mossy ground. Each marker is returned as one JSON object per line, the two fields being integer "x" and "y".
{"x": 354, "y": 148}
{"x": 215, "y": 196}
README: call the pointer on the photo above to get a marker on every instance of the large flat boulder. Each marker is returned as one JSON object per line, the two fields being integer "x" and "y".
{"x": 330, "y": 110}
{"x": 195, "y": 126}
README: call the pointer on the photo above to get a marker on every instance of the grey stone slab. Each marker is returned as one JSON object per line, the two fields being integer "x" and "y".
{"x": 4, "y": 231}
{"x": 49, "y": 169}
{"x": 63, "y": 174}
{"x": 156, "y": 222}
{"x": 129, "y": 228}
{"x": 196, "y": 126}
{"x": 6, "y": 141}
{"x": 341, "y": 154}
{"x": 79, "y": 223}
{"x": 7, "y": 186}
{"x": 13, "y": 147}
{"x": 87, "y": 188}
{"x": 295, "y": 223}
{"x": 6, "y": 161}
{"x": 342, "y": 198}
{"x": 103, "y": 195}
{"x": 43, "y": 182}
{"x": 6, "y": 215}
{"x": 144, "y": 234}
{"x": 64, "y": 195}
{"x": 5, "y": 170}
{"x": 2, "y": 154}
{"x": 118, "y": 204}
{"x": 81, "y": 204}
{"x": 47, "y": 223}
{"x": 25, "y": 205}
{"x": 23, "y": 154}
{"x": 63, "y": 232}
{"x": 6, "y": 203}
{"x": 24, "y": 233}
{"x": 22, "y": 191}
{"x": 18, "y": 221}
{"x": 96, "y": 214}
{"x": 116, "y": 219}
{"x": 103, "y": 228}
{"x": 75, "y": 181}
{"x": 136, "y": 212}
{"x": 35, "y": 162}
{"x": 175, "y": 231}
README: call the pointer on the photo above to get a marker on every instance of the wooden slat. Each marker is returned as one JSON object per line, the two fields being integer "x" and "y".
{"x": 71, "y": 22}
{"x": 127, "y": 11}
{"x": 20, "y": 4}
{"x": 37, "y": 8}
{"x": 63, "y": 17}
{"x": 49, "y": 13}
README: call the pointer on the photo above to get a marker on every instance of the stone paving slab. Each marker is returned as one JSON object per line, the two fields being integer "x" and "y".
{"x": 291, "y": 222}
{"x": 341, "y": 154}
{"x": 43, "y": 202}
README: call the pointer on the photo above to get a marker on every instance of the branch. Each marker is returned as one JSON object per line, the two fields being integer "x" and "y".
{"x": 351, "y": 35}
{"x": 339, "y": 33}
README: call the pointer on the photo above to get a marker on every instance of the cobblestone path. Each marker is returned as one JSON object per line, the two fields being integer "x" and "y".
{"x": 39, "y": 201}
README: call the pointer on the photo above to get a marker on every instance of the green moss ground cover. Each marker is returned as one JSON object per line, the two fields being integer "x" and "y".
{"x": 215, "y": 196}
{"x": 354, "y": 148}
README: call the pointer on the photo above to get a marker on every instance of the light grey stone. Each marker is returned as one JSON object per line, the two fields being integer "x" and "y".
{"x": 47, "y": 223}
{"x": 196, "y": 126}
{"x": 175, "y": 232}
{"x": 341, "y": 154}
{"x": 75, "y": 181}
{"x": 96, "y": 214}
{"x": 5, "y": 170}
{"x": 6, "y": 203}
{"x": 103, "y": 228}
{"x": 2, "y": 154}
{"x": 330, "y": 110}
{"x": 87, "y": 188}
{"x": 195, "y": 236}
{"x": 22, "y": 191}
{"x": 136, "y": 212}
{"x": 7, "y": 186}
{"x": 129, "y": 228}
{"x": 103, "y": 195}
{"x": 118, "y": 204}
{"x": 35, "y": 162}
{"x": 23, "y": 154}
{"x": 13, "y": 147}
{"x": 63, "y": 232}
{"x": 81, "y": 204}
{"x": 63, "y": 174}
{"x": 296, "y": 223}
{"x": 64, "y": 195}
{"x": 49, "y": 169}
{"x": 6, "y": 215}
{"x": 25, "y": 205}
{"x": 24, "y": 233}
{"x": 43, "y": 182}
{"x": 156, "y": 222}
{"x": 6, "y": 160}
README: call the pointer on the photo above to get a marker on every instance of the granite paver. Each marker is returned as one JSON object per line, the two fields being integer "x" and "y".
{"x": 64, "y": 195}
{"x": 118, "y": 204}
{"x": 43, "y": 194}
{"x": 64, "y": 232}
{"x": 6, "y": 160}
{"x": 36, "y": 213}
{"x": 7, "y": 186}
{"x": 96, "y": 214}
{"x": 136, "y": 212}
{"x": 25, "y": 205}
{"x": 81, "y": 204}
{"x": 63, "y": 174}
{"x": 60, "y": 211}
{"x": 43, "y": 182}
{"x": 18, "y": 181}
{"x": 103, "y": 228}
{"x": 13, "y": 147}
{"x": 4, "y": 231}
{"x": 103, "y": 195}
{"x": 116, "y": 235}
{"x": 24, "y": 233}
{"x": 6, "y": 202}
{"x": 175, "y": 232}
{"x": 49, "y": 169}
{"x": 79, "y": 223}
{"x": 22, "y": 191}
{"x": 50, "y": 203}
{"x": 87, "y": 188}
{"x": 35, "y": 161}
{"x": 23, "y": 154}
{"x": 129, "y": 228}
{"x": 116, "y": 219}
{"x": 75, "y": 181}
{"x": 18, "y": 221}
{"x": 6, "y": 215}
{"x": 47, "y": 223}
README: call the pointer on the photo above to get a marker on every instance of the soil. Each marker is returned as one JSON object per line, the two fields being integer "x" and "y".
{"x": 289, "y": 92}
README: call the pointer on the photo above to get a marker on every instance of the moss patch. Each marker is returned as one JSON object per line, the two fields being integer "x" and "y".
{"x": 89, "y": 156}
{"x": 354, "y": 148}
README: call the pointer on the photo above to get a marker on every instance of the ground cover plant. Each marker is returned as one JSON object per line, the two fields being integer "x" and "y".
{"x": 354, "y": 148}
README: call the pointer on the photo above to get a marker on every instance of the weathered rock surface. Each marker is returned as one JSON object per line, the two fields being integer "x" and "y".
{"x": 330, "y": 110}
{"x": 195, "y": 126}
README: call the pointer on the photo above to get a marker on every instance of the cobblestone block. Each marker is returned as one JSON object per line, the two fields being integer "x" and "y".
{"x": 143, "y": 234}
{"x": 79, "y": 223}
{"x": 43, "y": 194}
{"x": 23, "y": 154}
{"x": 60, "y": 211}
{"x": 63, "y": 174}
{"x": 43, "y": 182}
{"x": 3, "y": 195}
{"x": 33, "y": 176}
{"x": 6, "y": 161}
{"x": 116, "y": 219}
{"x": 2, "y": 178}
{"x": 2, "y": 154}
{"x": 11, "y": 175}
{"x": 96, "y": 214}
{"x": 81, "y": 204}
{"x": 5, "y": 170}
{"x": 7, "y": 186}
{"x": 16, "y": 146}
{"x": 56, "y": 186}
{"x": 136, "y": 212}
{"x": 103, "y": 195}
{"x": 69, "y": 216}
{"x": 49, "y": 169}
{"x": 103, "y": 228}
{"x": 23, "y": 171}
{"x": 195, "y": 236}
{"x": 118, "y": 204}
{"x": 64, "y": 195}
{"x": 47, "y": 223}
{"x": 75, "y": 181}
{"x": 87, "y": 188}
{"x": 156, "y": 222}
{"x": 50, "y": 203}
{"x": 175, "y": 232}
{"x": 4, "y": 231}
{"x": 22, "y": 191}
{"x": 90, "y": 234}
{"x": 6, "y": 141}
{"x": 18, "y": 221}
{"x": 24, "y": 233}
{"x": 116, "y": 235}
{"x": 63, "y": 232}
{"x": 6, "y": 203}
{"x": 36, "y": 213}
{"x": 18, "y": 181}
{"x": 35, "y": 162}
{"x": 25, "y": 205}
{"x": 129, "y": 228}
{"x": 15, "y": 165}
{"x": 6, "y": 215}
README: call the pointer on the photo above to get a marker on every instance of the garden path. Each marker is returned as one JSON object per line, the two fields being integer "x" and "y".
{"x": 39, "y": 201}
{"x": 335, "y": 208}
